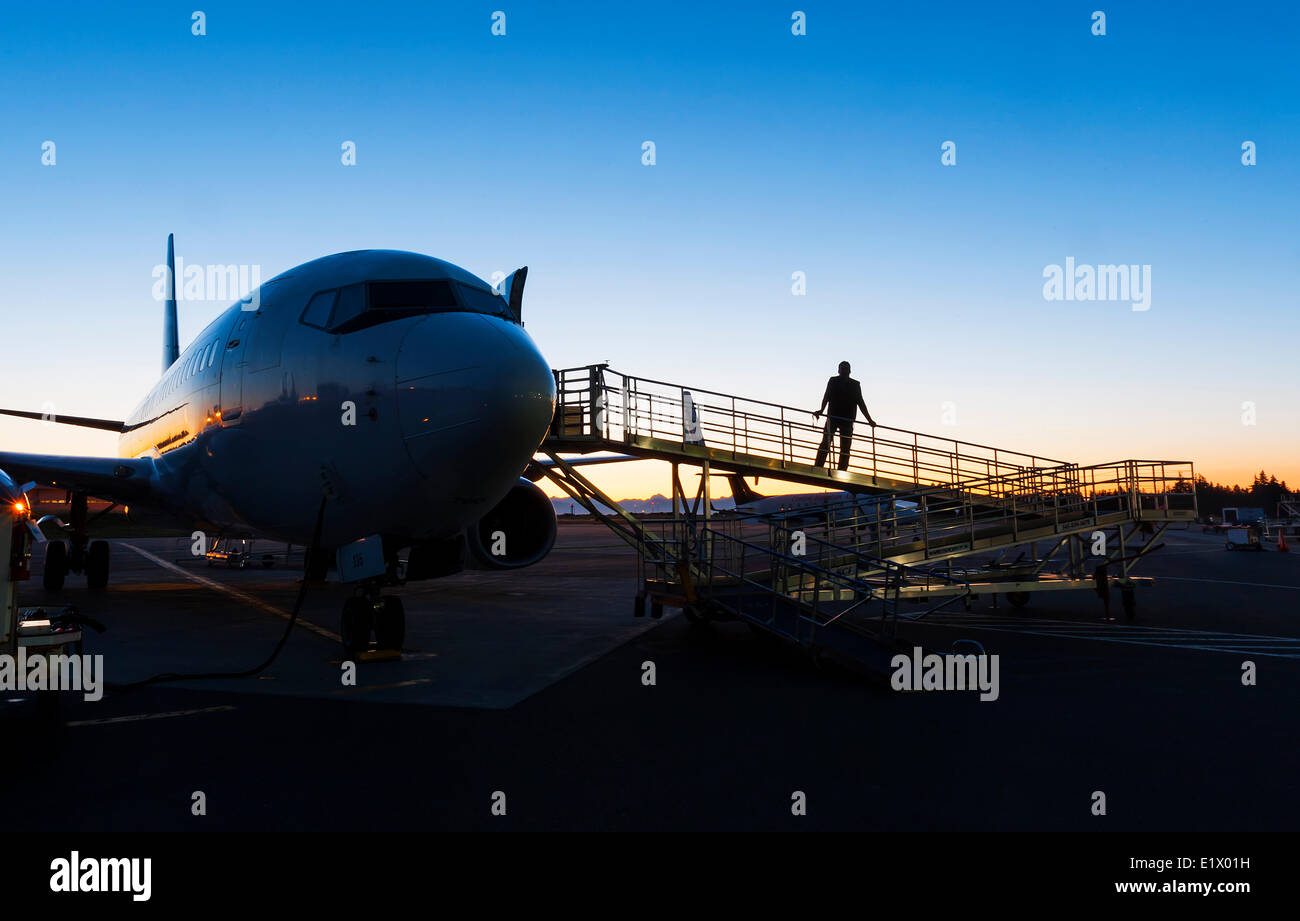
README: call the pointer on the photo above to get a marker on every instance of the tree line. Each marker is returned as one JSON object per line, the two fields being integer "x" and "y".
{"x": 1264, "y": 492}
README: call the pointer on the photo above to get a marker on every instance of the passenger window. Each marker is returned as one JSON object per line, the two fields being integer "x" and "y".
{"x": 318, "y": 309}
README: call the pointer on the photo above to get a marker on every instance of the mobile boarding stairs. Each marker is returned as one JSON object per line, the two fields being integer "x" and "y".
{"x": 951, "y": 519}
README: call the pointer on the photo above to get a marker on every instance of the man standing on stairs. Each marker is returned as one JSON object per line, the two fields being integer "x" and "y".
{"x": 843, "y": 397}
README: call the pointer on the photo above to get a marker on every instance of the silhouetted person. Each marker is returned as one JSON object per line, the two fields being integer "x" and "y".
{"x": 843, "y": 398}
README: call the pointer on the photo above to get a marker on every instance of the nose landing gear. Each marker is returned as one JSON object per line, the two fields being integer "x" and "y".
{"x": 370, "y": 613}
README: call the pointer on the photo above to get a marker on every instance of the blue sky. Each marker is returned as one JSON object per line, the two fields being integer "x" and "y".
{"x": 775, "y": 154}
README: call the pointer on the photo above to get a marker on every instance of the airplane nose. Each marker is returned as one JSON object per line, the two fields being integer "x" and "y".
{"x": 475, "y": 399}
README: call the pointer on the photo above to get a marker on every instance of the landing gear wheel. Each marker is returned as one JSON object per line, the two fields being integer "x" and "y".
{"x": 656, "y": 610}
{"x": 693, "y": 614}
{"x": 267, "y": 561}
{"x": 1129, "y": 601}
{"x": 638, "y": 606}
{"x": 97, "y": 565}
{"x": 390, "y": 623}
{"x": 358, "y": 617}
{"x": 1018, "y": 599}
{"x": 56, "y": 565}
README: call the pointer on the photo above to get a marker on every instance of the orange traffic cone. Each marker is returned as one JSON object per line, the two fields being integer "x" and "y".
{"x": 1281, "y": 543}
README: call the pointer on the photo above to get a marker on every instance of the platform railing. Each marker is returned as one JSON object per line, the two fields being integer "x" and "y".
{"x": 598, "y": 403}
{"x": 944, "y": 520}
{"x": 745, "y": 571}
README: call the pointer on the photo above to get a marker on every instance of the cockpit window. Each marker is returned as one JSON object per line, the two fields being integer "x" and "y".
{"x": 351, "y": 303}
{"x": 412, "y": 295}
{"x": 318, "y": 309}
{"x": 356, "y": 306}
{"x": 481, "y": 301}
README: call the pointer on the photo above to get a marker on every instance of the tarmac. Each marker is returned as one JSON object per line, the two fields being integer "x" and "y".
{"x": 529, "y": 683}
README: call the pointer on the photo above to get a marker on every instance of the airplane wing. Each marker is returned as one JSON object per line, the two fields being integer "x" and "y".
{"x": 107, "y": 425}
{"x": 117, "y": 479}
{"x": 538, "y": 466}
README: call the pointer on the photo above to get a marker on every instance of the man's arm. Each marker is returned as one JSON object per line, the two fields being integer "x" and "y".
{"x": 863, "y": 406}
{"x": 826, "y": 398}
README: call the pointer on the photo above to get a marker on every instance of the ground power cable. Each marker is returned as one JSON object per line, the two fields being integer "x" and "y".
{"x": 248, "y": 673}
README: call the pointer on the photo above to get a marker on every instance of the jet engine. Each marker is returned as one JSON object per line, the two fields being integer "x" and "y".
{"x": 518, "y": 532}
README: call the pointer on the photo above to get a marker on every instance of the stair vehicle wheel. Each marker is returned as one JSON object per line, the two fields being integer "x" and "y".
{"x": 656, "y": 610}
{"x": 56, "y": 565}
{"x": 358, "y": 619}
{"x": 1018, "y": 599}
{"x": 390, "y": 623}
{"x": 693, "y": 614}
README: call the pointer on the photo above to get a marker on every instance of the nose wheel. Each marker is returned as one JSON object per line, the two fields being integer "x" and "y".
{"x": 390, "y": 623}
{"x": 380, "y": 616}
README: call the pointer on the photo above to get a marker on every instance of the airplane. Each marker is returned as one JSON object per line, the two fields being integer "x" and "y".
{"x": 816, "y": 504}
{"x": 395, "y": 394}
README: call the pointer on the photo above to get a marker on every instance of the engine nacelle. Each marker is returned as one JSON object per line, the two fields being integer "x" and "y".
{"x": 518, "y": 532}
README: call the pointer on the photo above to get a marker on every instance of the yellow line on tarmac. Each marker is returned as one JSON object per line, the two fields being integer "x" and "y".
{"x": 153, "y": 587}
{"x": 234, "y": 593}
{"x": 134, "y": 718}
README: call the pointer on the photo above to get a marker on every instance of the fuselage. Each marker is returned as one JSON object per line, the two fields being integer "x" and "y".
{"x": 397, "y": 384}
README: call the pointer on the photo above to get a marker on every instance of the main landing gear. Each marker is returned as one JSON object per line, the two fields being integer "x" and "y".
{"x": 371, "y": 613}
{"x": 78, "y": 554}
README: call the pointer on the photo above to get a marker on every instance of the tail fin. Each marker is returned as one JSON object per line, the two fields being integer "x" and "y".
{"x": 740, "y": 490}
{"x": 171, "y": 339}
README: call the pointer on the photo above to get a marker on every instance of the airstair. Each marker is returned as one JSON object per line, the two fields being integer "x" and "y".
{"x": 1090, "y": 525}
{"x": 729, "y": 569}
{"x": 949, "y": 515}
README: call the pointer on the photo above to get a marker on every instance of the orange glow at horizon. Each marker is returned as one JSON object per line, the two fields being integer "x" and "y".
{"x": 1227, "y": 463}
{"x": 642, "y": 479}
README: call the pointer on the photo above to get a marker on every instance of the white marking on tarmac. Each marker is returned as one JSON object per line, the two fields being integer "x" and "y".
{"x": 383, "y": 687}
{"x": 235, "y": 593}
{"x": 1292, "y": 588}
{"x": 135, "y": 718}
{"x": 1283, "y": 647}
